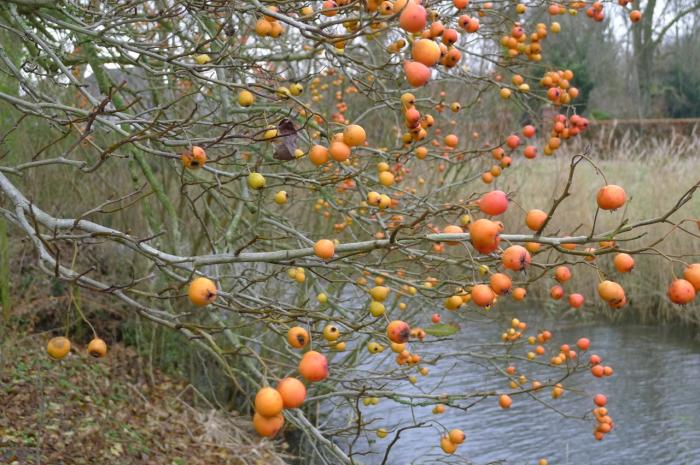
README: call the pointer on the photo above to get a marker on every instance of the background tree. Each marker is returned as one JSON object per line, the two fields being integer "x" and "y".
{"x": 649, "y": 35}
{"x": 678, "y": 72}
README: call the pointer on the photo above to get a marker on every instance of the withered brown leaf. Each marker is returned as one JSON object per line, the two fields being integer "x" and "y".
{"x": 287, "y": 138}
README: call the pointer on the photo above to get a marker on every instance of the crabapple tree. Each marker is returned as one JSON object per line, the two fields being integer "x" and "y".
{"x": 306, "y": 189}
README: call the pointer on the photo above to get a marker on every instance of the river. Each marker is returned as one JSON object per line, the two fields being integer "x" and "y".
{"x": 653, "y": 398}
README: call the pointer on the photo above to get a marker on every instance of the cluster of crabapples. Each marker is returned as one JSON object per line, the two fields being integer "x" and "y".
{"x": 567, "y": 355}
{"x": 340, "y": 146}
{"x": 563, "y": 128}
{"x": 247, "y": 99}
{"x": 684, "y": 290}
{"x": 416, "y": 124}
{"x": 59, "y": 347}
{"x": 596, "y": 11}
{"x": 558, "y": 85}
{"x": 604, "y": 423}
{"x": 432, "y": 42}
{"x": 313, "y": 366}
{"x": 519, "y": 42}
{"x": 268, "y": 26}
{"x": 290, "y": 392}
{"x": 435, "y": 44}
{"x": 451, "y": 440}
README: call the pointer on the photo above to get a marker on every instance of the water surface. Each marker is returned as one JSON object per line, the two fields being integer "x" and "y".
{"x": 654, "y": 399}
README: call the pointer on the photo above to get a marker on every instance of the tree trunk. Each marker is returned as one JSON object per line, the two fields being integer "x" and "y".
{"x": 644, "y": 48}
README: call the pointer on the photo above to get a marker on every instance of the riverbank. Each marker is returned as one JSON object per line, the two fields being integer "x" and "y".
{"x": 113, "y": 410}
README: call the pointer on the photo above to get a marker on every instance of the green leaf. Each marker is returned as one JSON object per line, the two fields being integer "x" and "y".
{"x": 442, "y": 330}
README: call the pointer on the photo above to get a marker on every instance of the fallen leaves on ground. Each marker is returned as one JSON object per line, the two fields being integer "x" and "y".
{"x": 82, "y": 410}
